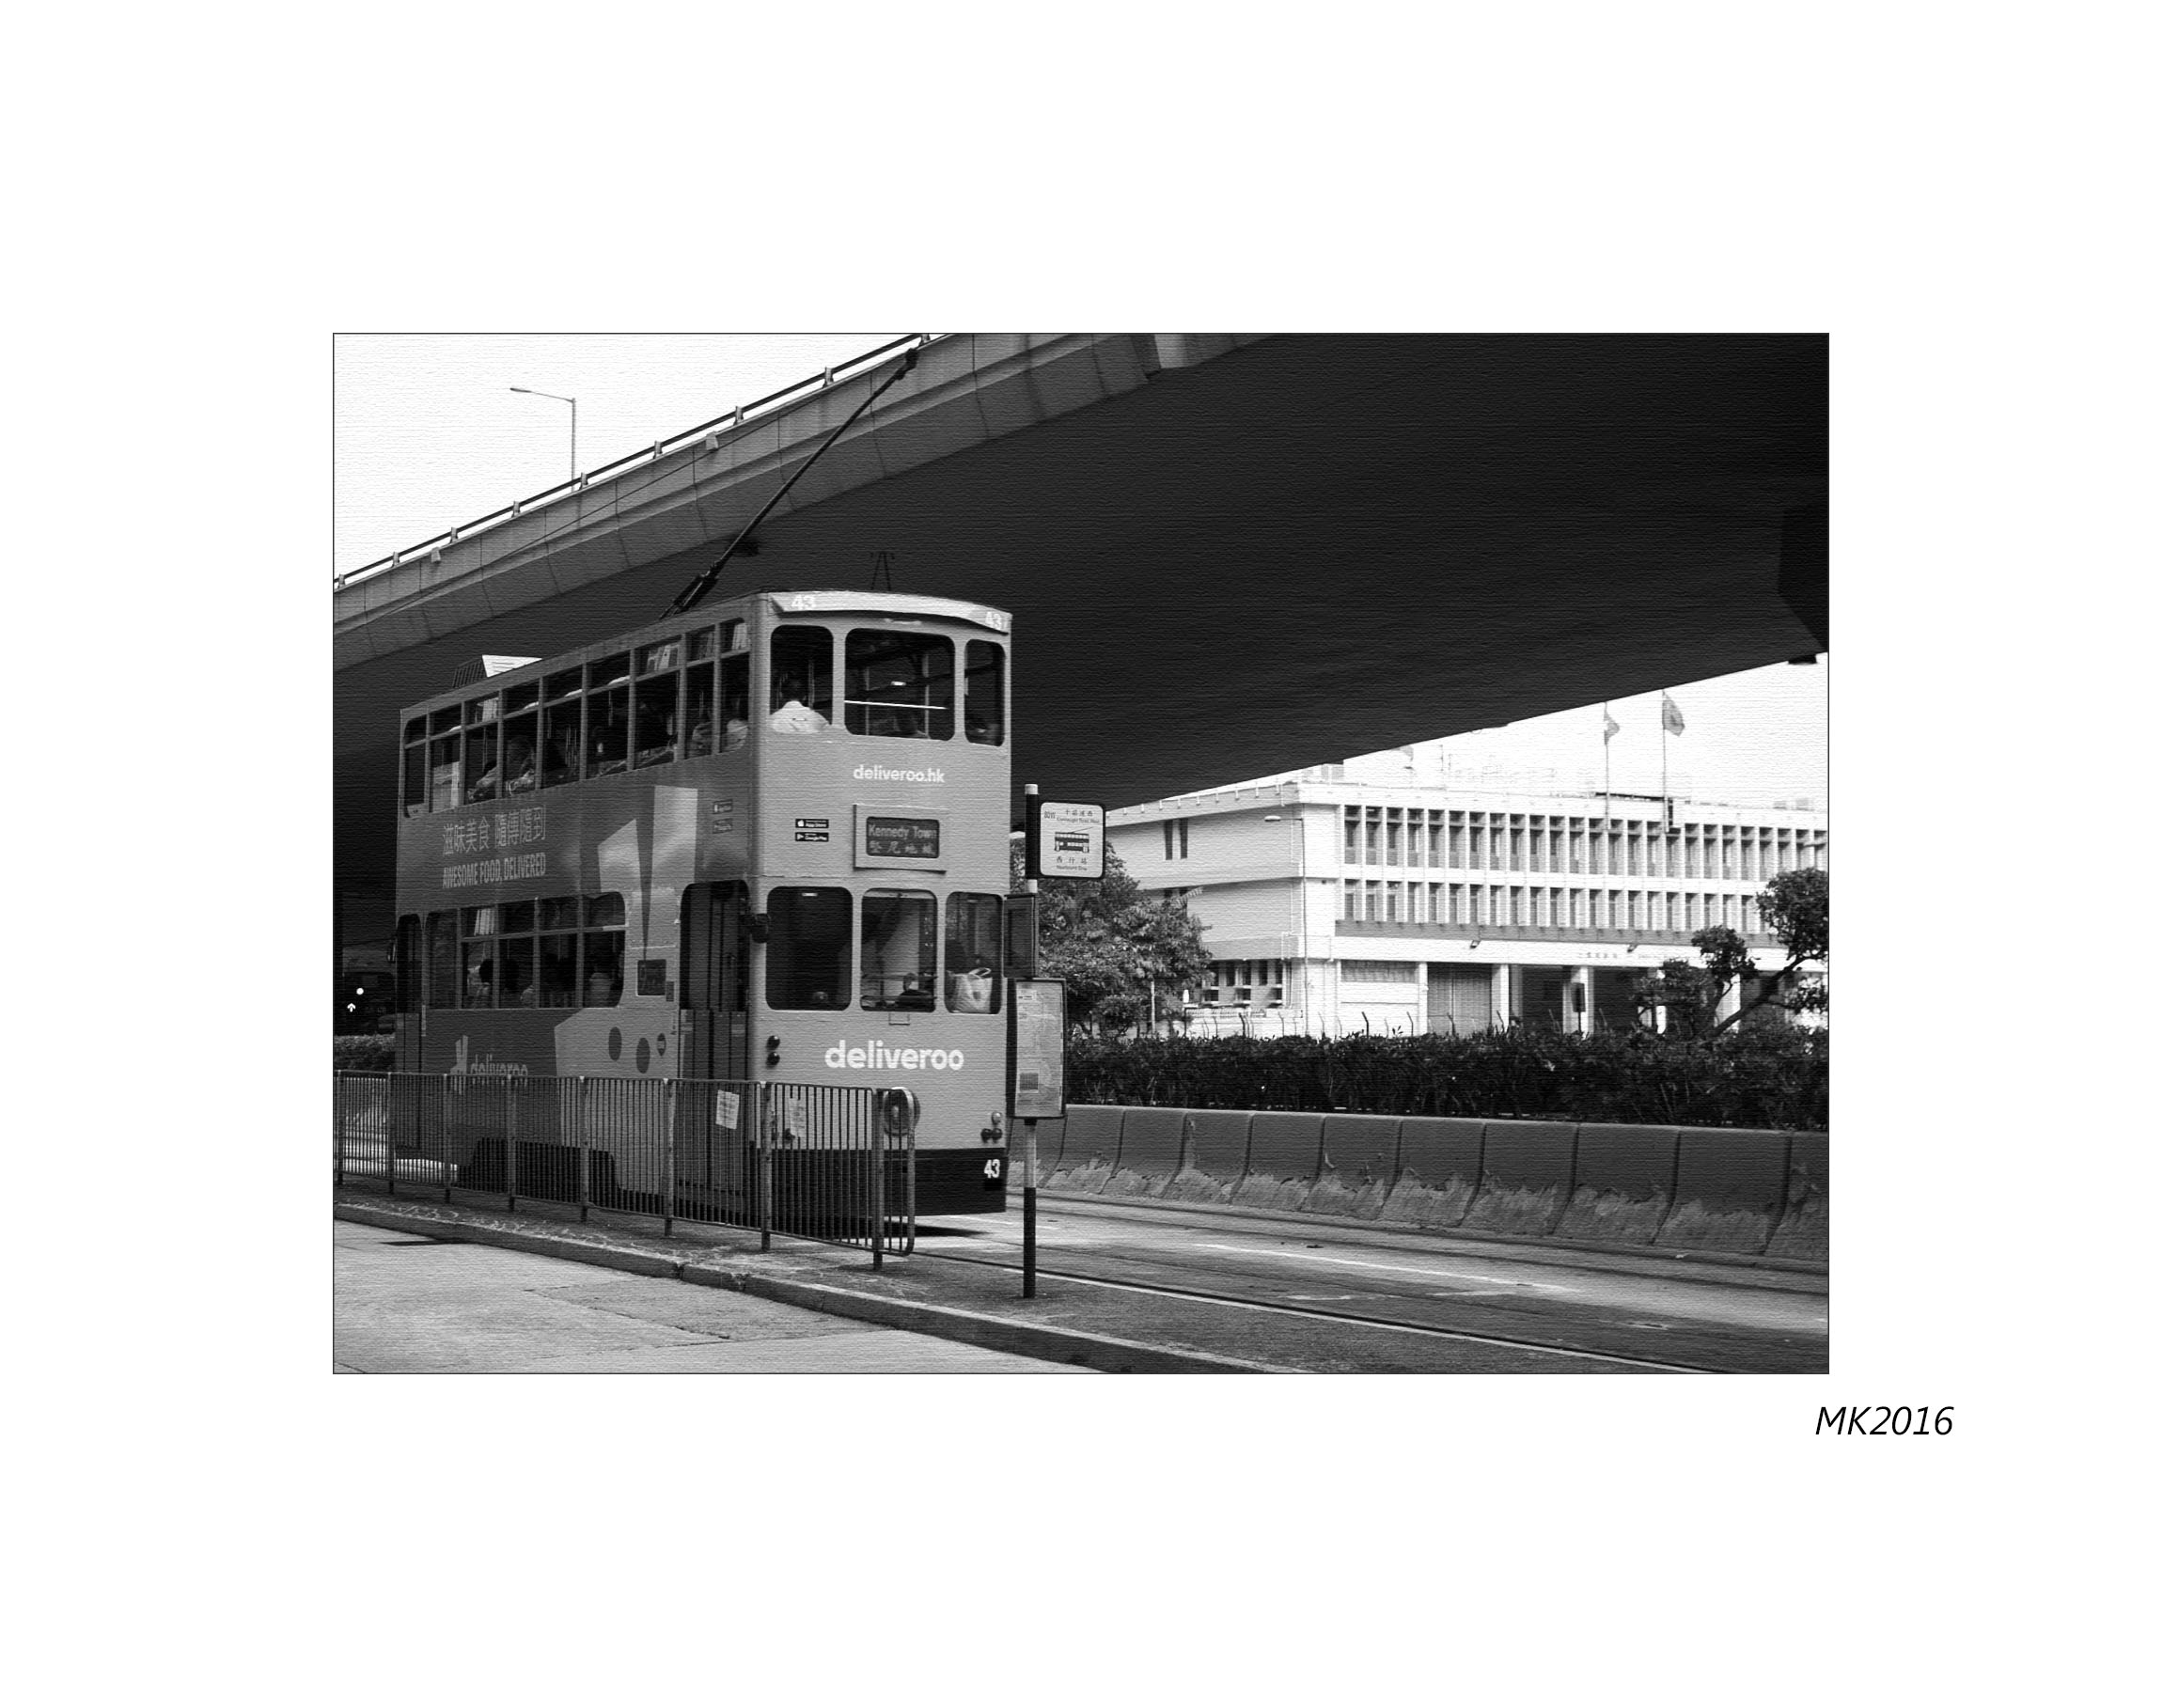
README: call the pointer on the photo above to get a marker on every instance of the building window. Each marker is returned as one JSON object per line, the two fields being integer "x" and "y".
{"x": 1168, "y": 838}
{"x": 1351, "y": 835}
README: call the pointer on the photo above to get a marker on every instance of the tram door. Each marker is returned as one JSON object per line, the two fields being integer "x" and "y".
{"x": 715, "y": 983}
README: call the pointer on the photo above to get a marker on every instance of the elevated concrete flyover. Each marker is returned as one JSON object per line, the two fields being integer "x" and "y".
{"x": 1226, "y": 555}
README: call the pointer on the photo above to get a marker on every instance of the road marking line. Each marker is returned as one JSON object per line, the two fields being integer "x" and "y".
{"x": 1447, "y": 1275}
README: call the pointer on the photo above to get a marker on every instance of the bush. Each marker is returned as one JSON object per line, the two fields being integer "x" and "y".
{"x": 1750, "y": 1077}
{"x": 364, "y": 1053}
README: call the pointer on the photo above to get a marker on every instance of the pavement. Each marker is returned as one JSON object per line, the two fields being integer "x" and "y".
{"x": 438, "y": 1301}
{"x": 1071, "y": 1322}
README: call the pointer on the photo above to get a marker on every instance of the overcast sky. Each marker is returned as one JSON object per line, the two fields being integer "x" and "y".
{"x": 429, "y": 434}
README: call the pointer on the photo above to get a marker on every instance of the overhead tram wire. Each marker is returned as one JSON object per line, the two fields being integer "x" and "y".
{"x": 703, "y": 584}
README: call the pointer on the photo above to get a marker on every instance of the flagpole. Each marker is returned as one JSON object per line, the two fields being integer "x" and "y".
{"x": 1607, "y": 768}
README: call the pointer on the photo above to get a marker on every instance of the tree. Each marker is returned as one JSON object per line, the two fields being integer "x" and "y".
{"x": 1797, "y": 911}
{"x": 1114, "y": 945}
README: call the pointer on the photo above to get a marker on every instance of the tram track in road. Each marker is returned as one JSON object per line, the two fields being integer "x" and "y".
{"x": 1617, "y": 1309}
{"x": 1310, "y": 1312}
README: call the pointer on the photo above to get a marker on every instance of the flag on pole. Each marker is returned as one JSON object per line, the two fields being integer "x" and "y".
{"x": 1670, "y": 716}
{"x": 1612, "y": 729}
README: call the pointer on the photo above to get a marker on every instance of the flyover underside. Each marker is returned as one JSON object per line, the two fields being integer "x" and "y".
{"x": 1302, "y": 548}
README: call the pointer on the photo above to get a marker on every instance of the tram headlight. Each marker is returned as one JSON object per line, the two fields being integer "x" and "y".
{"x": 773, "y": 1051}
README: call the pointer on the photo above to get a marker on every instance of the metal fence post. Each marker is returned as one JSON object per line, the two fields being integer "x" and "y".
{"x": 445, "y": 1080}
{"x": 585, "y": 1147}
{"x": 510, "y": 1143}
{"x": 667, "y": 1158}
{"x": 878, "y": 1181}
{"x": 755, "y": 1097}
{"x": 390, "y": 1142}
{"x": 338, "y": 1129}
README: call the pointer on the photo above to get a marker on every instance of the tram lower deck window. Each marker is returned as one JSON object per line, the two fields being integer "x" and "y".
{"x": 973, "y": 934}
{"x": 899, "y": 942}
{"x": 807, "y": 948}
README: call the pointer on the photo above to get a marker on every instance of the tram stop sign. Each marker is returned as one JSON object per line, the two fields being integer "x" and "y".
{"x": 1065, "y": 840}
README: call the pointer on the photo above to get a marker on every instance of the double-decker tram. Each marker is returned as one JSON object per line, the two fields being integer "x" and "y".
{"x": 766, "y": 843}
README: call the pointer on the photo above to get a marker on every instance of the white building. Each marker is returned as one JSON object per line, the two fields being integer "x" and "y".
{"x": 1335, "y": 906}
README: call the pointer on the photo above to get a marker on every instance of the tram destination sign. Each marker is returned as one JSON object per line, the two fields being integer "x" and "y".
{"x": 902, "y": 838}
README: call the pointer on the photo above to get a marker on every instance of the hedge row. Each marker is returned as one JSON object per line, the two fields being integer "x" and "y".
{"x": 363, "y": 1052}
{"x": 1778, "y": 1077}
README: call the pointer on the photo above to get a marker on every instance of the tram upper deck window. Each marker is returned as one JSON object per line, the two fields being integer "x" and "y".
{"x": 735, "y": 701}
{"x": 654, "y": 737}
{"x": 984, "y": 693}
{"x": 561, "y": 730}
{"x": 608, "y": 716}
{"x": 414, "y": 797}
{"x": 442, "y": 784}
{"x": 900, "y": 682}
{"x": 807, "y": 948}
{"x": 898, "y": 941}
{"x": 482, "y": 736}
{"x": 803, "y": 686}
{"x": 520, "y": 739}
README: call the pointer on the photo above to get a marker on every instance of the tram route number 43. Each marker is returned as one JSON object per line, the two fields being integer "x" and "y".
{"x": 994, "y": 1171}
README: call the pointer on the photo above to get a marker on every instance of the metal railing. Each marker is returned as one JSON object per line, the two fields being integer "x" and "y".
{"x": 743, "y": 413}
{"x": 813, "y": 1161}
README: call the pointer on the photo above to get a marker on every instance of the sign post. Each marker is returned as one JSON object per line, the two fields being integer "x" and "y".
{"x": 1035, "y": 1090}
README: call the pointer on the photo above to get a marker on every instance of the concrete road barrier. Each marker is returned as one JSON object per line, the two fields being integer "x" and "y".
{"x": 1623, "y": 1185}
{"x": 1525, "y": 1176}
{"x": 1731, "y": 1184}
{"x": 1213, "y": 1157}
{"x": 1091, "y": 1147}
{"x": 1283, "y": 1153}
{"x": 1358, "y": 1165}
{"x": 1751, "y": 1192}
{"x": 1149, "y": 1148}
{"x": 1803, "y": 1231}
{"x": 1438, "y": 1170}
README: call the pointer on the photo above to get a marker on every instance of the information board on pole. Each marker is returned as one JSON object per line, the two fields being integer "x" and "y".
{"x": 1064, "y": 840}
{"x": 1037, "y": 1033}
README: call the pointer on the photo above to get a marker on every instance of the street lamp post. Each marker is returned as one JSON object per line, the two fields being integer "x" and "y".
{"x": 574, "y": 403}
{"x": 1298, "y": 906}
